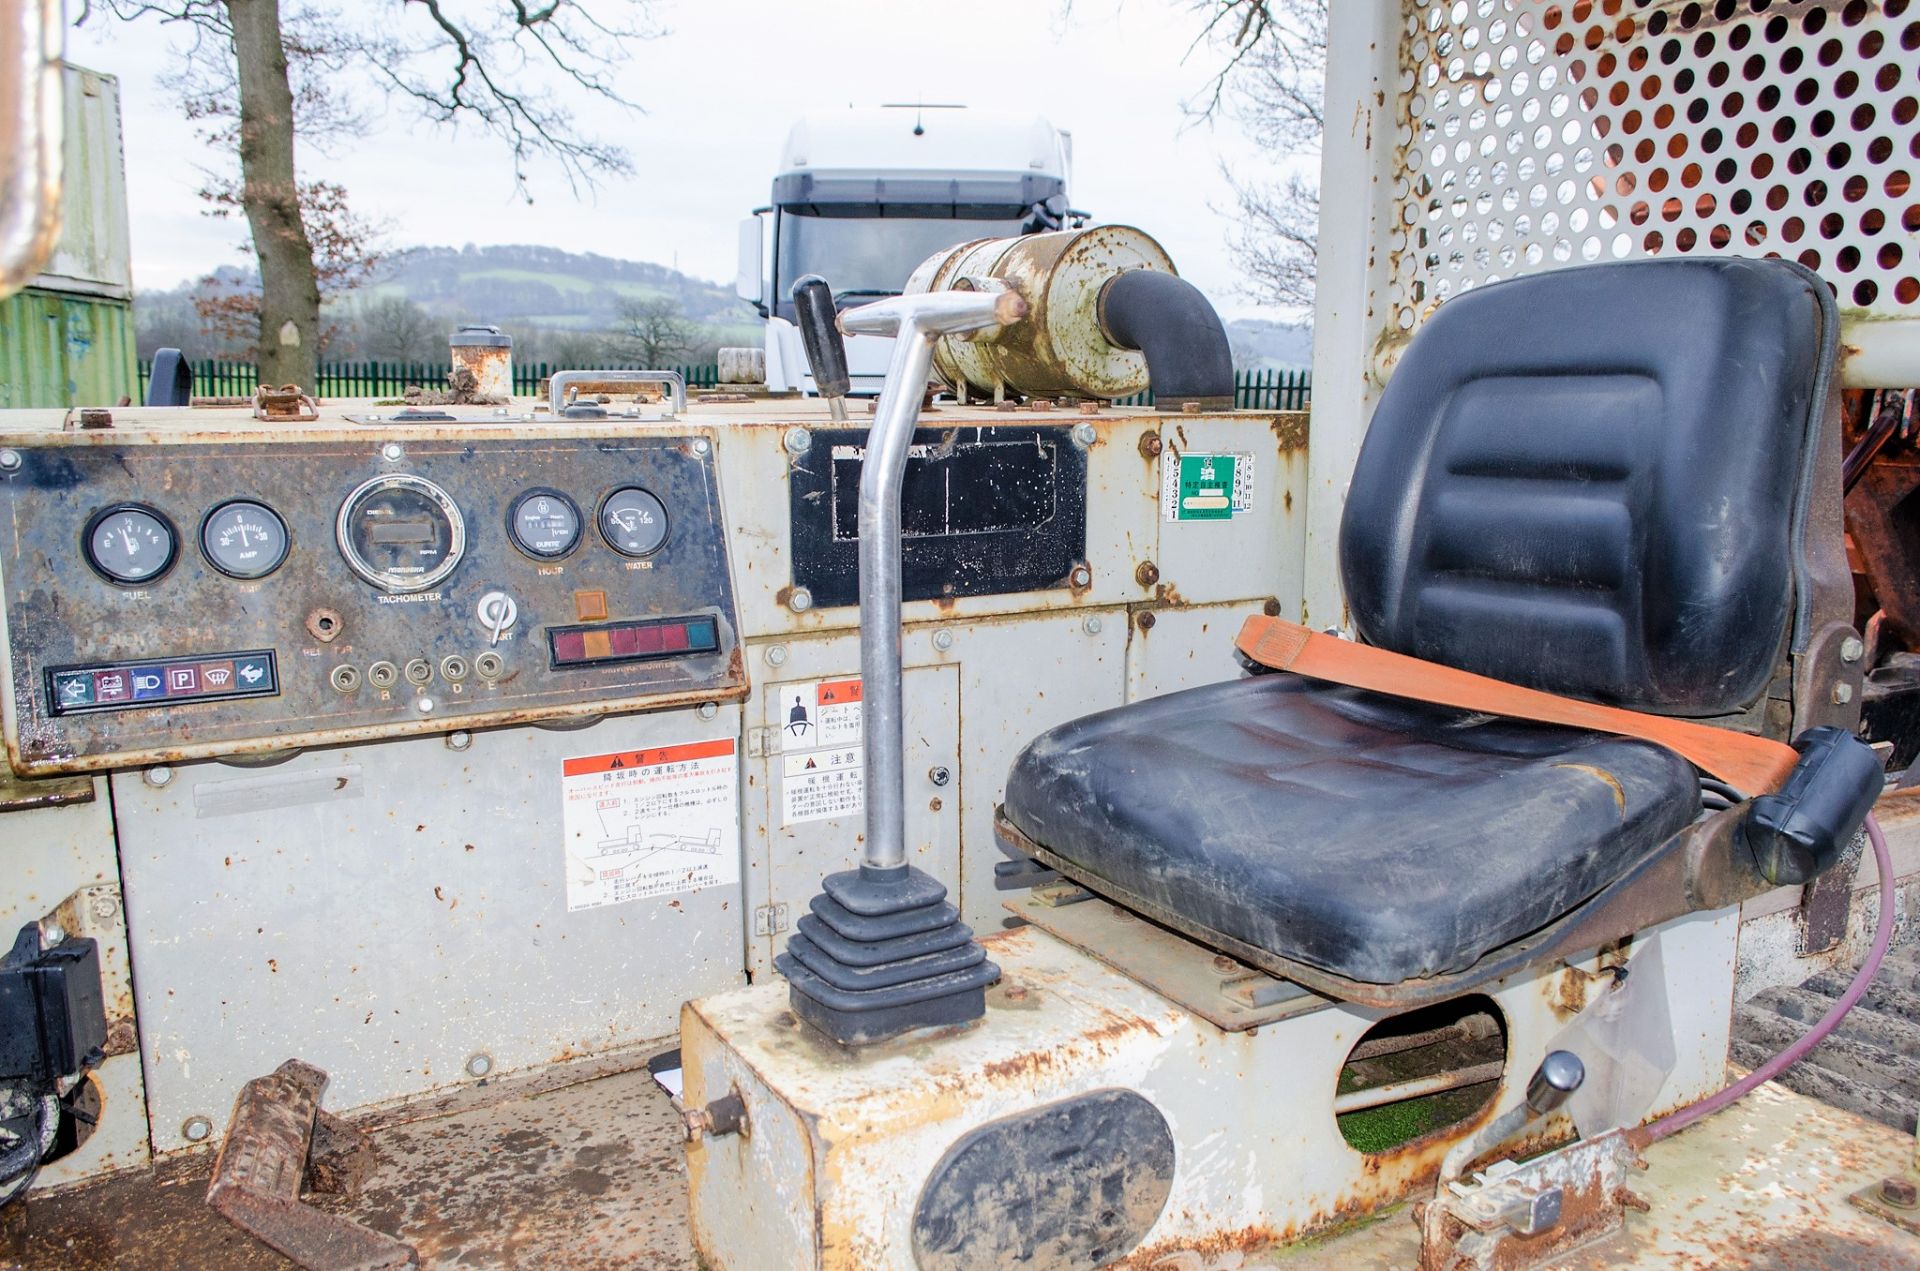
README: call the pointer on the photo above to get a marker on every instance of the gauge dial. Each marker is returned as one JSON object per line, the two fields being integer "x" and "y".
{"x": 244, "y": 539}
{"x": 633, "y": 522}
{"x": 131, "y": 543}
{"x": 401, "y": 533}
{"x": 544, "y": 523}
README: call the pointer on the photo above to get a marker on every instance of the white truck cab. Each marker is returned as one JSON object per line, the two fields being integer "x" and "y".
{"x": 863, "y": 195}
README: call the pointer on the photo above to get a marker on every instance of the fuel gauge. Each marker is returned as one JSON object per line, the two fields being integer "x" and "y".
{"x": 130, "y": 543}
{"x": 244, "y": 539}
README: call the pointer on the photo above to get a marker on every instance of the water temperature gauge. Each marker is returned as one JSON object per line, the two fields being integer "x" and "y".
{"x": 243, "y": 539}
{"x": 633, "y": 522}
{"x": 130, "y": 543}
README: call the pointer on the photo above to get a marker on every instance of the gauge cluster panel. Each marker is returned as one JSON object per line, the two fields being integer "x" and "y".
{"x": 213, "y": 596}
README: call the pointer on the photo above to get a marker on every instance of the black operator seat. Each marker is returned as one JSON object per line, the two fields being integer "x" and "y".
{"x": 1589, "y": 482}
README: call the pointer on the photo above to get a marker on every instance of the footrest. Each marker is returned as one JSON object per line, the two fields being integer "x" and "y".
{"x": 258, "y": 1176}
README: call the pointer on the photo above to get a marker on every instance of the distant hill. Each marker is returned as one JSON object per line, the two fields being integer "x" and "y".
{"x": 546, "y": 286}
{"x": 558, "y": 305}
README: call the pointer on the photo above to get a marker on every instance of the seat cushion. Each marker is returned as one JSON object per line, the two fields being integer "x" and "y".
{"x": 1372, "y": 837}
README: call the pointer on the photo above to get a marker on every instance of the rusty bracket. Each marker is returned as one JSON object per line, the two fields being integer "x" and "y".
{"x": 1513, "y": 1216}
{"x": 258, "y": 1176}
{"x": 1826, "y": 903}
{"x": 285, "y": 403}
{"x": 1895, "y": 1199}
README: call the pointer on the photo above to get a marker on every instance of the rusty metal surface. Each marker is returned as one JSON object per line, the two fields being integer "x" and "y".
{"x": 58, "y": 612}
{"x": 262, "y": 1166}
{"x": 1215, "y": 987}
{"x": 585, "y": 1177}
{"x": 1061, "y": 349}
{"x": 1466, "y": 1228}
{"x": 18, "y": 793}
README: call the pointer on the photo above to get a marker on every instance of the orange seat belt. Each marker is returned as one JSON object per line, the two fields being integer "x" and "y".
{"x": 1755, "y": 765}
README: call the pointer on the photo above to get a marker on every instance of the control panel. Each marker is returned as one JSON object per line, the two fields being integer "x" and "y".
{"x": 171, "y": 595}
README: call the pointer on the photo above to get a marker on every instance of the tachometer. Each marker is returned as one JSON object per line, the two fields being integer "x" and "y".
{"x": 244, "y": 539}
{"x": 401, "y": 533}
{"x": 130, "y": 543}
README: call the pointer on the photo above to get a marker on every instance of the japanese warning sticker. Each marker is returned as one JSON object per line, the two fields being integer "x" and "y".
{"x": 1205, "y": 487}
{"x": 822, "y": 765}
{"x": 641, "y": 823}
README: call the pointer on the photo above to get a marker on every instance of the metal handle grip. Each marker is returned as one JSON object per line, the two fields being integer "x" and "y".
{"x": 562, "y": 380}
{"x": 826, "y": 351}
{"x": 915, "y": 322}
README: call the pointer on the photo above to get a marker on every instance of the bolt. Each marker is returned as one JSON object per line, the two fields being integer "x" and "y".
{"x": 1150, "y": 445}
{"x": 196, "y": 1129}
{"x": 1092, "y": 625}
{"x": 1851, "y": 649}
{"x": 1146, "y": 573}
{"x": 9, "y": 460}
{"x": 799, "y": 600}
{"x": 1189, "y": 408}
{"x": 1842, "y": 694}
{"x": 1017, "y": 993}
{"x": 797, "y": 441}
{"x": 1089, "y": 408}
{"x": 777, "y": 655}
{"x": 52, "y": 934}
{"x": 479, "y": 1065}
{"x": 159, "y": 776}
{"x": 1080, "y": 576}
{"x": 391, "y": 450}
{"x": 701, "y": 445}
{"x": 943, "y": 639}
{"x": 104, "y": 907}
{"x": 708, "y": 710}
{"x": 1147, "y": 620}
{"x": 1084, "y": 435}
{"x": 459, "y": 739}
{"x": 939, "y": 775}
{"x": 1899, "y": 1191}
{"x": 1221, "y": 962}
{"x": 1271, "y": 609}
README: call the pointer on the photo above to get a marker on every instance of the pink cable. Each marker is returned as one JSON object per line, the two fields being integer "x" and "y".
{"x": 1882, "y": 937}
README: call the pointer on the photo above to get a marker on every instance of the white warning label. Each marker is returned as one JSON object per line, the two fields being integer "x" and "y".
{"x": 641, "y": 823}
{"x": 822, "y": 772}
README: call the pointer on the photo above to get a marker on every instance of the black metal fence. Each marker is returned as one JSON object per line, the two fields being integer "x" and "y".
{"x": 386, "y": 379}
{"x": 1252, "y": 390}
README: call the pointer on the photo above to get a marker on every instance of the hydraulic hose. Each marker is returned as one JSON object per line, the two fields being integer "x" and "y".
{"x": 1681, "y": 1118}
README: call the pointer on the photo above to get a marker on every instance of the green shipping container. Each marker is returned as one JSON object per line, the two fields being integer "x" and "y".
{"x": 65, "y": 350}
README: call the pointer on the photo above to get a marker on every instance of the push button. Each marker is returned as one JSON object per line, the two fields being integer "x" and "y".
{"x": 112, "y": 686}
{"x": 71, "y": 689}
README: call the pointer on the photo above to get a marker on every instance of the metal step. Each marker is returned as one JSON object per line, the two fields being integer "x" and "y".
{"x": 1870, "y": 1064}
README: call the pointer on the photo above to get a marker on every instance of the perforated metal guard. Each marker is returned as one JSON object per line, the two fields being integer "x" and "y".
{"x": 1534, "y": 136}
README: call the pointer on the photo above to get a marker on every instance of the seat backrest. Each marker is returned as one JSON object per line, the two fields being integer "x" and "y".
{"x": 1594, "y": 481}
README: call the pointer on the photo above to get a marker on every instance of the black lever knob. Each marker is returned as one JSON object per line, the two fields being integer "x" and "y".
{"x": 820, "y": 333}
{"x": 1554, "y": 1081}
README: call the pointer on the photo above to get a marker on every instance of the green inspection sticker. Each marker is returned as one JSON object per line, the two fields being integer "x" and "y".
{"x": 1205, "y": 487}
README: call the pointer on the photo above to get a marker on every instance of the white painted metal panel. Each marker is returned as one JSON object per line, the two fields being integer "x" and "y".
{"x": 402, "y": 908}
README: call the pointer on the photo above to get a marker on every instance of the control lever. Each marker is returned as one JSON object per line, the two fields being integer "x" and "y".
{"x": 820, "y": 334}
{"x": 883, "y": 951}
{"x": 1552, "y": 1084}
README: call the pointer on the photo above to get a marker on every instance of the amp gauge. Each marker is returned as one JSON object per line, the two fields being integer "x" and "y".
{"x": 544, "y": 523}
{"x": 244, "y": 539}
{"x": 401, "y": 533}
{"x": 130, "y": 543}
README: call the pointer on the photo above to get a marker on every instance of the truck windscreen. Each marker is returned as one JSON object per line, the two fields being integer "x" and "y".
{"x": 870, "y": 255}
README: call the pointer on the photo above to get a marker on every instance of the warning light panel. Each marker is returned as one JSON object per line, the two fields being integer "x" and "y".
{"x": 633, "y": 640}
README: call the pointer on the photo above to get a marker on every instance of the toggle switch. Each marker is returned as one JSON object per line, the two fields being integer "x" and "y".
{"x": 497, "y": 613}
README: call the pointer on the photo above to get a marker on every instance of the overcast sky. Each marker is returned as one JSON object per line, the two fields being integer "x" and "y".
{"x": 719, "y": 92}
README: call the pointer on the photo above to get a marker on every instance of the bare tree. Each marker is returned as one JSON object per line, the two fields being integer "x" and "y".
{"x": 652, "y": 332}
{"x": 255, "y": 78}
{"x": 1272, "y": 83}
{"x": 396, "y": 327}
